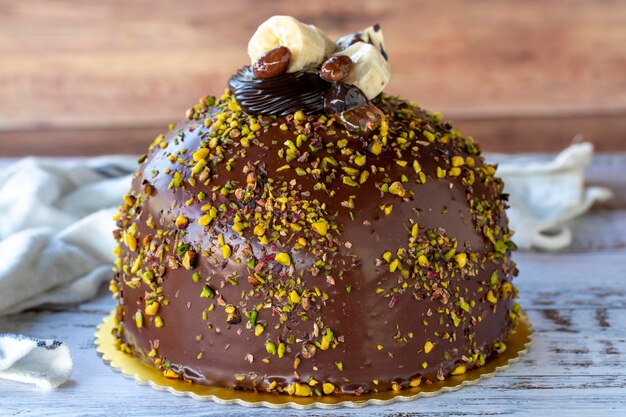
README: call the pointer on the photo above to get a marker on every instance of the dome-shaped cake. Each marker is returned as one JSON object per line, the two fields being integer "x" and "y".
{"x": 313, "y": 253}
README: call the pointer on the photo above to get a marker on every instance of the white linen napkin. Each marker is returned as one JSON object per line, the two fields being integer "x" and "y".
{"x": 45, "y": 363}
{"x": 56, "y": 227}
{"x": 55, "y": 248}
{"x": 545, "y": 193}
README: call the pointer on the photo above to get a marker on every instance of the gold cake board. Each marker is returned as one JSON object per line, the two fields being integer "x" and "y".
{"x": 517, "y": 344}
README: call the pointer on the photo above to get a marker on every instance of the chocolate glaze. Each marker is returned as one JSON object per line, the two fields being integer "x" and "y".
{"x": 382, "y": 335}
{"x": 341, "y": 97}
{"x": 280, "y": 95}
{"x": 286, "y": 93}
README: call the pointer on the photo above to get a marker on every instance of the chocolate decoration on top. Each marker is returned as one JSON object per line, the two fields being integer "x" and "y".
{"x": 341, "y": 97}
{"x": 362, "y": 119}
{"x": 266, "y": 89}
{"x": 289, "y": 92}
{"x": 279, "y": 95}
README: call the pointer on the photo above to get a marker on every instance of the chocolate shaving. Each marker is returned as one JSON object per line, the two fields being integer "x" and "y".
{"x": 286, "y": 93}
{"x": 280, "y": 95}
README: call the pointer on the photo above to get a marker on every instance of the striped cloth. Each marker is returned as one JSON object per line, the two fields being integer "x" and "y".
{"x": 44, "y": 363}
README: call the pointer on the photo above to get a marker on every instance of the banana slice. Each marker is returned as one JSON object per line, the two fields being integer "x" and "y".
{"x": 371, "y": 71}
{"x": 330, "y": 46}
{"x": 371, "y": 34}
{"x": 308, "y": 45}
{"x": 374, "y": 35}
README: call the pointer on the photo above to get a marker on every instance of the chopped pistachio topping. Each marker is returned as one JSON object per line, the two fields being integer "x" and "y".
{"x": 283, "y": 258}
{"x": 328, "y": 388}
{"x": 267, "y": 211}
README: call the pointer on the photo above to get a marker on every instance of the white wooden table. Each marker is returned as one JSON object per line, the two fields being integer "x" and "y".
{"x": 576, "y": 366}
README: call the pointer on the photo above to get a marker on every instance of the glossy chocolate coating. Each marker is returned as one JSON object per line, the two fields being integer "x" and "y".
{"x": 381, "y": 335}
{"x": 286, "y": 93}
{"x": 279, "y": 95}
{"x": 341, "y": 97}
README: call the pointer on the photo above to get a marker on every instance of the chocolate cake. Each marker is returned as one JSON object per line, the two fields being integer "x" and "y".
{"x": 307, "y": 234}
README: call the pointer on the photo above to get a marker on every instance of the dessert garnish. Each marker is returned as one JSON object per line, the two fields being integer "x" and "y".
{"x": 336, "y": 68}
{"x": 295, "y": 66}
{"x": 272, "y": 63}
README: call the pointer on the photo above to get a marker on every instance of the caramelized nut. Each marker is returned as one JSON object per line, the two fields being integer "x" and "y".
{"x": 363, "y": 119}
{"x": 272, "y": 63}
{"x": 336, "y": 68}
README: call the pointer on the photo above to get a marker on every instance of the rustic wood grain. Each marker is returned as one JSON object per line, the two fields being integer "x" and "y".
{"x": 520, "y": 75}
{"x": 495, "y": 134}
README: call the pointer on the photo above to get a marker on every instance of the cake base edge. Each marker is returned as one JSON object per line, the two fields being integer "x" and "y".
{"x": 133, "y": 368}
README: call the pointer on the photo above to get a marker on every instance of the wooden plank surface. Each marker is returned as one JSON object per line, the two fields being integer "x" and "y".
{"x": 576, "y": 366}
{"x": 521, "y": 76}
{"x": 495, "y": 134}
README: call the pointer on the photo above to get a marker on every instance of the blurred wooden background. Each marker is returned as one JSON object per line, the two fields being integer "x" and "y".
{"x": 92, "y": 77}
